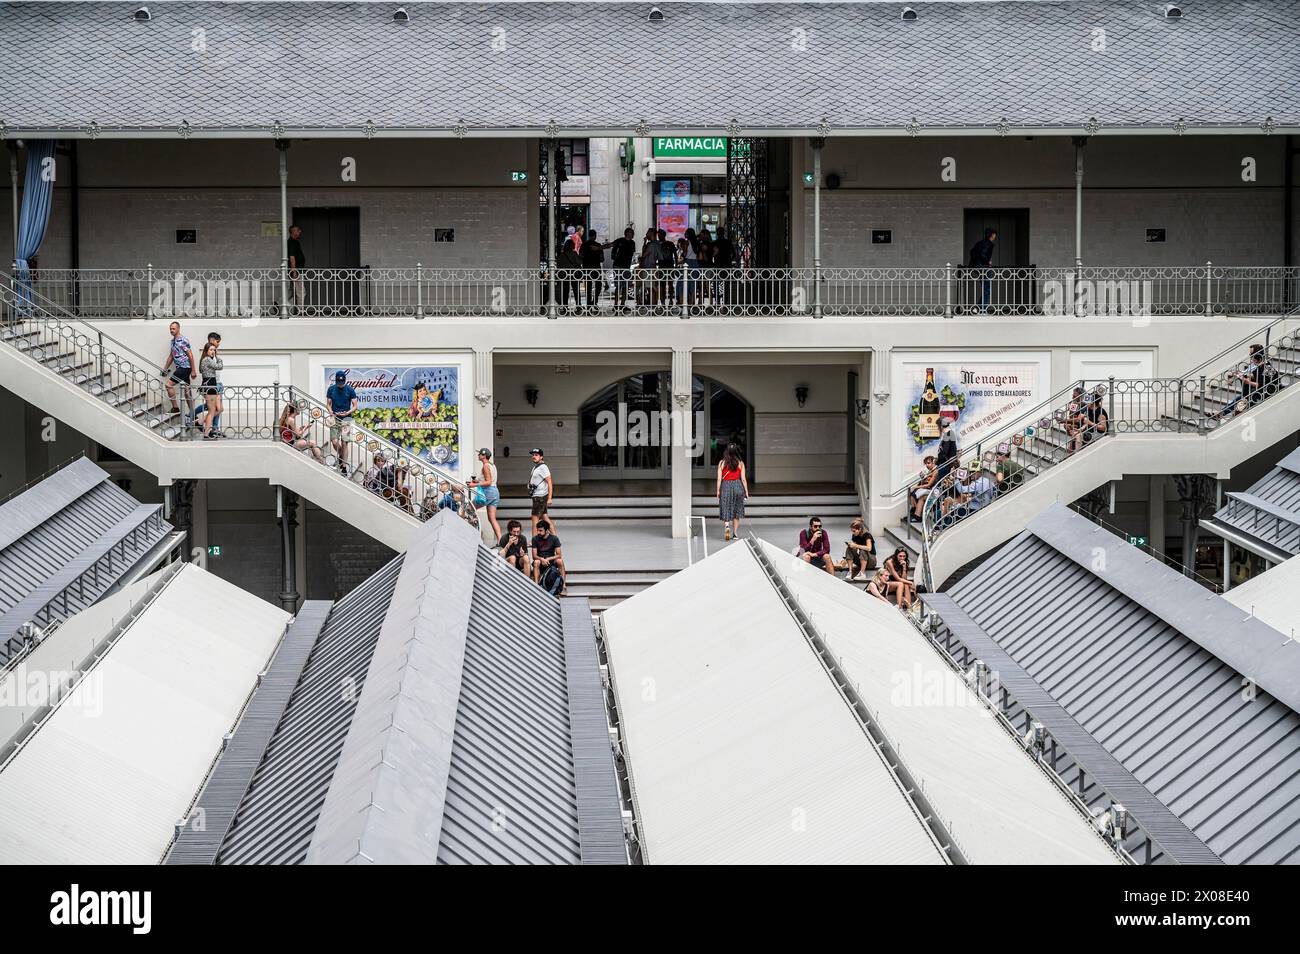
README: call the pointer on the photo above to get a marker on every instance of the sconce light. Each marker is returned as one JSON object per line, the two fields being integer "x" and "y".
{"x": 801, "y": 394}
{"x": 530, "y": 395}
{"x": 864, "y": 408}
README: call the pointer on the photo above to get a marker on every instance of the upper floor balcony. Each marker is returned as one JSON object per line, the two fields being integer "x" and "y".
{"x": 685, "y": 292}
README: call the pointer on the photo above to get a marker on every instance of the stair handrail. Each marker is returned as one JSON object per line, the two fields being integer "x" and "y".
{"x": 1035, "y": 413}
{"x": 318, "y": 412}
{"x": 1190, "y": 374}
{"x": 57, "y": 314}
{"x": 148, "y": 376}
{"x": 930, "y": 515}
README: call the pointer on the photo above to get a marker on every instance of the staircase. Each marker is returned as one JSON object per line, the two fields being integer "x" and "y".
{"x": 830, "y": 506}
{"x": 1157, "y": 426}
{"x": 83, "y": 377}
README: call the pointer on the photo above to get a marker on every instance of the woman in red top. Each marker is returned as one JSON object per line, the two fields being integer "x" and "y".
{"x": 732, "y": 491}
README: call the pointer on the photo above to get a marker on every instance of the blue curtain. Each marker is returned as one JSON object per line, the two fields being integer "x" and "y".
{"x": 38, "y": 191}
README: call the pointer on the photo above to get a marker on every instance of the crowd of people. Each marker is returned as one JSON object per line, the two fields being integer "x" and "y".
{"x": 697, "y": 269}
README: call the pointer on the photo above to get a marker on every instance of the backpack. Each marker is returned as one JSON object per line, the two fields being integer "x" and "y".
{"x": 552, "y": 582}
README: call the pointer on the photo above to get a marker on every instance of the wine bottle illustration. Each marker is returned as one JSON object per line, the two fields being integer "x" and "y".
{"x": 929, "y": 406}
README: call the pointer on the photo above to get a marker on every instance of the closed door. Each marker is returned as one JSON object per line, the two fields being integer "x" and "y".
{"x": 331, "y": 240}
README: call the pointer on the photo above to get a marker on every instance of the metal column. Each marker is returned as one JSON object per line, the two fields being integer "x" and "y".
{"x": 13, "y": 180}
{"x": 283, "y": 147}
{"x": 1079, "y": 143}
{"x": 286, "y": 505}
{"x": 817, "y": 226}
{"x": 552, "y": 306}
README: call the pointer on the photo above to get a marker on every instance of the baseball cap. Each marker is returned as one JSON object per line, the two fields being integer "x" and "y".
{"x": 537, "y": 451}
{"x": 484, "y": 452}
{"x": 340, "y": 375}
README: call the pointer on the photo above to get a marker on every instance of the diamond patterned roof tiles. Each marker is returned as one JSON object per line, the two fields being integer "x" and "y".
{"x": 604, "y": 67}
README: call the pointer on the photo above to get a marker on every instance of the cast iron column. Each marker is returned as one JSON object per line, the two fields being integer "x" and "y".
{"x": 288, "y": 507}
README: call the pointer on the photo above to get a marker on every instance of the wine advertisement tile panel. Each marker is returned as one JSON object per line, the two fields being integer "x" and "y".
{"x": 417, "y": 407}
{"x": 979, "y": 396}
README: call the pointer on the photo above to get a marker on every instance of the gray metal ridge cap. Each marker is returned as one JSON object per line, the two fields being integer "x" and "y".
{"x": 227, "y": 783}
{"x": 1248, "y": 645}
{"x": 600, "y": 813}
{"x": 385, "y": 800}
{"x": 22, "y": 514}
{"x": 1244, "y": 540}
{"x": 1263, "y": 506}
{"x": 1291, "y": 461}
{"x": 1160, "y": 823}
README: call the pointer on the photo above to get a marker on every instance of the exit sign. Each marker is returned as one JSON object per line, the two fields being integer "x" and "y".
{"x": 1138, "y": 541}
{"x": 518, "y": 175}
{"x": 214, "y": 551}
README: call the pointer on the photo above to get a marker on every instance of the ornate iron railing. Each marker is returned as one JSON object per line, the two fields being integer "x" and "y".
{"x": 1089, "y": 410}
{"x": 681, "y": 291}
{"x": 134, "y": 386}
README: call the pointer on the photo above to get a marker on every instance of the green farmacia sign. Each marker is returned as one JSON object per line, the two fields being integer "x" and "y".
{"x": 691, "y": 147}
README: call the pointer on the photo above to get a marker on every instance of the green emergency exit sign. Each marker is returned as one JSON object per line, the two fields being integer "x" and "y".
{"x": 214, "y": 551}
{"x": 518, "y": 175}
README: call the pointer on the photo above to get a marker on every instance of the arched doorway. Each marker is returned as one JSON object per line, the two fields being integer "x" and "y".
{"x": 627, "y": 427}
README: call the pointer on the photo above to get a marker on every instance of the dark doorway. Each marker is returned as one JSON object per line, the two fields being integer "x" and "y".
{"x": 331, "y": 240}
{"x": 1010, "y": 288}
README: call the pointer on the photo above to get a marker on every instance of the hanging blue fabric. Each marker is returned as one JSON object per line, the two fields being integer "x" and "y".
{"x": 38, "y": 192}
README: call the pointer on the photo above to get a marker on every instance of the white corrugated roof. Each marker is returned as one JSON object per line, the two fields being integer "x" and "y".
{"x": 997, "y": 803}
{"x": 741, "y": 751}
{"x": 1271, "y": 597}
{"x": 62, "y": 652}
{"x": 119, "y": 762}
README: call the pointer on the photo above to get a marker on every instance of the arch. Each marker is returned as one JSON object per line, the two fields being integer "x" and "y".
{"x": 625, "y": 426}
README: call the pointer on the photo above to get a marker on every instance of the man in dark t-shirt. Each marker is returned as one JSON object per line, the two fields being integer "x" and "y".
{"x": 297, "y": 261}
{"x": 546, "y": 551}
{"x": 622, "y": 252}
{"x": 593, "y": 263}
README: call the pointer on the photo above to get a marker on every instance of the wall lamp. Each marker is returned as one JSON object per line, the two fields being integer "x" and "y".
{"x": 530, "y": 395}
{"x": 801, "y": 394}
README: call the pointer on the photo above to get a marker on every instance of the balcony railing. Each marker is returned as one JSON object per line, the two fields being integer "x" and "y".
{"x": 134, "y": 387}
{"x": 1088, "y": 411}
{"x": 681, "y": 292}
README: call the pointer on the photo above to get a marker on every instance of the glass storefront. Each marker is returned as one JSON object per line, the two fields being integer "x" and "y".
{"x": 690, "y": 201}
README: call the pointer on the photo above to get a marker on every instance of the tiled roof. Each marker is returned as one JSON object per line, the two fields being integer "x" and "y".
{"x": 603, "y": 67}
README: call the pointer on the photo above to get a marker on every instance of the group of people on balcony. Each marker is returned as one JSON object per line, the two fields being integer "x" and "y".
{"x": 660, "y": 274}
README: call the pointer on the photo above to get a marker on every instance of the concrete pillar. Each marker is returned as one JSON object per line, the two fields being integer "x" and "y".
{"x": 680, "y": 452}
{"x": 884, "y": 509}
{"x": 484, "y": 433}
